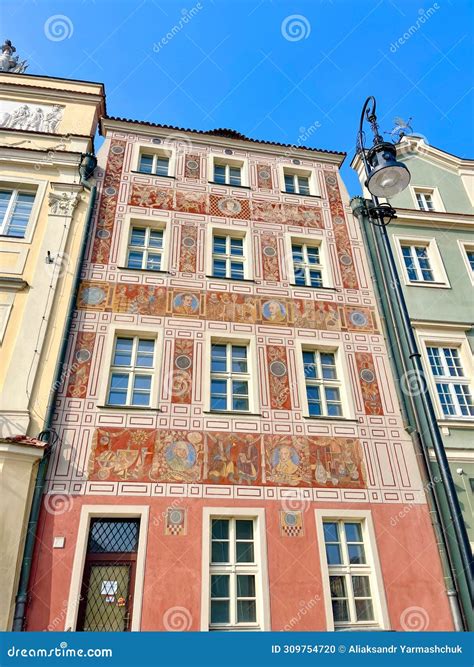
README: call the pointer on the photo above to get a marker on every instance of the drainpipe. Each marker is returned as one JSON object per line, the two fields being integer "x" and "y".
{"x": 359, "y": 208}
{"x": 86, "y": 170}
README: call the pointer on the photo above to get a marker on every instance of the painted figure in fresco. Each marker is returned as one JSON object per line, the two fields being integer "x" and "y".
{"x": 215, "y": 307}
{"x": 274, "y": 311}
{"x": 185, "y": 304}
{"x": 285, "y": 466}
{"x": 246, "y": 472}
{"x": 231, "y": 463}
{"x": 181, "y": 457}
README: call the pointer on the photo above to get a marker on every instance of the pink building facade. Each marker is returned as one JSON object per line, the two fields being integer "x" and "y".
{"x": 230, "y": 453}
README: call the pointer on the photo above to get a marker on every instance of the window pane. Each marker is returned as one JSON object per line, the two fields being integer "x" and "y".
{"x": 245, "y": 586}
{"x": 337, "y": 585}
{"x": 240, "y": 388}
{"x": 303, "y": 183}
{"x": 289, "y": 183}
{"x": 123, "y": 352}
{"x": 236, "y": 270}
{"x": 353, "y": 532}
{"x": 237, "y": 247}
{"x": 310, "y": 368}
{"x": 364, "y": 610}
{"x": 340, "y": 611}
{"x": 140, "y": 398}
{"x": 219, "y": 173}
{"x": 297, "y": 251}
{"x": 220, "y": 529}
{"x": 145, "y": 353}
{"x": 356, "y": 554}
{"x": 146, "y": 164}
{"x": 218, "y": 387}
{"x": 244, "y": 529}
{"x": 240, "y": 404}
{"x": 219, "y": 611}
{"x": 113, "y": 535}
{"x": 246, "y": 611}
{"x": 245, "y": 552}
{"x": 142, "y": 382}
{"x": 219, "y": 245}
{"x": 218, "y": 359}
{"x": 333, "y": 554}
{"x": 315, "y": 278}
{"x": 162, "y": 164}
{"x": 219, "y": 268}
{"x": 153, "y": 262}
{"x": 234, "y": 174}
{"x": 220, "y": 586}
{"x": 135, "y": 260}
{"x": 331, "y": 531}
{"x": 220, "y": 552}
{"x": 334, "y": 410}
{"x": 361, "y": 587}
{"x": 118, "y": 389}
{"x": 138, "y": 237}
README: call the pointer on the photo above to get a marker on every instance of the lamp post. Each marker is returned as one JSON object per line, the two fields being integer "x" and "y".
{"x": 387, "y": 177}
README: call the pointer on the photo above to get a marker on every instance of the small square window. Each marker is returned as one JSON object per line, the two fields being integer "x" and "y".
{"x": 153, "y": 163}
{"x": 15, "y": 211}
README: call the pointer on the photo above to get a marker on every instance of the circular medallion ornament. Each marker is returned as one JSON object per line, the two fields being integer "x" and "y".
{"x": 278, "y": 369}
{"x": 93, "y": 296}
{"x": 337, "y": 220}
{"x": 228, "y": 151}
{"x": 176, "y": 517}
{"x": 358, "y": 319}
{"x": 296, "y": 161}
{"x": 346, "y": 260}
{"x": 104, "y": 439}
{"x": 188, "y": 242}
{"x": 331, "y": 180}
{"x": 269, "y": 251}
{"x": 290, "y": 519}
{"x": 117, "y": 150}
{"x": 103, "y": 234}
{"x": 229, "y": 206}
{"x": 83, "y": 355}
{"x": 110, "y": 191}
{"x": 157, "y": 140}
{"x": 192, "y": 165}
{"x": 367, "y": 375}
{"x": 183, "y": 362}
{"x": 264, "y": 174}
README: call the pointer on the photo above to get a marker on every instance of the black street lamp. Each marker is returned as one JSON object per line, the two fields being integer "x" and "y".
{"x": 386, "y": 177}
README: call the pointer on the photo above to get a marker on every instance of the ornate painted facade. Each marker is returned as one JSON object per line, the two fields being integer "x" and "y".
{"x": 177, "y": 461}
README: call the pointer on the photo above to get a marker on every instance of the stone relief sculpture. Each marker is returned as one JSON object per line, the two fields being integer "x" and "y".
{"x": 28, "y": 117}
{"x": 62, "y": 204}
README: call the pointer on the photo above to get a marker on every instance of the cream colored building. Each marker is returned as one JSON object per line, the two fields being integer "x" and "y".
{"x": 46, "y": 127}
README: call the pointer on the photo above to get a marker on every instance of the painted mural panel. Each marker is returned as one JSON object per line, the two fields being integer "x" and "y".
{"x": 182, "y": 373}
{"x": 233, "y": 458}
{"x": 368, "y": 383}
{"x": 188, "y": 249}
{"x": 81, "y": 365}
{"x": 264, "y": 176}
{"x": 270, "y": 263}
{"x": 192, "y": 166}
{"x": 341, "y": 235}
{"x": 178, "y": 457}
{"x": 277, "y": 364}
{"x": 121, "y": 454}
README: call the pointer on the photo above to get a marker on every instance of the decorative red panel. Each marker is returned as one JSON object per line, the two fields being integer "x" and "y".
{"x": 277, "y": 364}
{"x": 188, "y": 248}
{"x": 233, "y": 458}
{"x": 81, "y": 365}
{"x": 120, "y": 454}
{"x": 341, "y": 235}
{"x": 192, "y": 166}
{"x": 368, "y": 383}
{"x": 108, "y": 203}
{"x": 271, "y": 269}
{"x": 264, "y": 176}
{"x": 182, "y": 374}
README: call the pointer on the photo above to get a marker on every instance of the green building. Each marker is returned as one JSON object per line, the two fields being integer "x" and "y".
{"x": 432, "y": 240}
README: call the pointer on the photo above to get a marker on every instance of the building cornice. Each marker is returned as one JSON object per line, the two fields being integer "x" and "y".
{"x": 33, "y": 155}
{"x": 442, "y": 324}
{"x": 12, "y": 283}
{"x": 202, "y": 137}
{"x": 433, "y": 219}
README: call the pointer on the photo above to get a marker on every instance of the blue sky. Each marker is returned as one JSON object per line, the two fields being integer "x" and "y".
{"x": 295, "y": 72}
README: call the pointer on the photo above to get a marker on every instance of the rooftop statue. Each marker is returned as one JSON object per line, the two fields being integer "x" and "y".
{"x": 9, "y": 62}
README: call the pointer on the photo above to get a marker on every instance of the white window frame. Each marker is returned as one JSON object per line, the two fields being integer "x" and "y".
{"x": 443, "y": 338}
{"x": 34, "y": 186}
{"x": 234, "y": 339}
{"x": 434, "y": 256}
{"x": 347, "y": 402}
{"x": 125, "y": 233}
{"x": 464, "y": 247}
{"x": 435, "y": 198}
{"x": 114, "y": 331}
{"x": 236, "y": 232}
{"x": 230, "y": 376}
{"x": 132, "y": 372}
{"x": 376, "y": 580}
{"x": 229, "y": 161}
{"x": 89, "y": 512}
{"x": 309, "y": 172}
{"x": 325, "y": 265}
{"x": 165, "y": 150}
{"x": 260, "y": 551}
{"x": 228, "y": 258}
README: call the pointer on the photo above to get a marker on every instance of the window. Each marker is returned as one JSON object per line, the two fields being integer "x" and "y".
{"x": 424, "y": 201}
{"x": 350, "y": 573}
{"x": 131, "y": 371}
{"x": 145, "y": 249}
{"x": 227, "y": 174}
{"x": 417, "y": 263}
{"x": 109, "y": 574}
{"x": 230, "y": 377}
{"x": 228, "y": 259}
{"x": 322, "y": 385}
{"x": 297, "y": 183}
{"x": 15, "y": 211}
{"x": 307, "y": 264}
{"x": 470, "y": 257}
{"x": 452, "y": 386}
{"x": 234, "y": 574}
{"x": 467, "y": 251}
{"x": 153, "y": 163}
